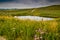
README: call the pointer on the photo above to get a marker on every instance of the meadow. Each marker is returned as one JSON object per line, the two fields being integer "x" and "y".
{"x": 16, "y": 29}
{"x": 50, "y": 11}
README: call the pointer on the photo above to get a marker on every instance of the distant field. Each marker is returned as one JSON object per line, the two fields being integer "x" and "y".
{"x": 50, "y": 11}
{"x": 16, "y": 29}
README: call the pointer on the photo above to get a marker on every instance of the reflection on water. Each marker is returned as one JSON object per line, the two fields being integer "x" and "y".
{"x": 37, "y": 18}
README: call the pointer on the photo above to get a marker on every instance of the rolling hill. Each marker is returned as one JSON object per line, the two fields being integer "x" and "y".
{"x": 49, "y": 11}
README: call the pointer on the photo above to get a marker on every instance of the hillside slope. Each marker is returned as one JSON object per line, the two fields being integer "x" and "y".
{"x": 49, "y": 11}
{"x": 52, "y": 7}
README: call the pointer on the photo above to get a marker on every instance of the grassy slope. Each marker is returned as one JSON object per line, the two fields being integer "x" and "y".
{"x": 50, "y": 11}
{"x": 12, "y": 29}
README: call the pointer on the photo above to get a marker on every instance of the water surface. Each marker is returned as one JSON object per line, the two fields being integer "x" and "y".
{"x": 37, "y": 18}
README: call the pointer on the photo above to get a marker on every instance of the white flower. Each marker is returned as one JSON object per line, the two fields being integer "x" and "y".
{"x": 41, "y": 37}
{"x": 42, "y": 32}
{"x": 35, "y": 36}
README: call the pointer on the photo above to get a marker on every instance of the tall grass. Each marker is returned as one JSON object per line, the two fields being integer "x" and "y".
{"x": 16, "y": 29}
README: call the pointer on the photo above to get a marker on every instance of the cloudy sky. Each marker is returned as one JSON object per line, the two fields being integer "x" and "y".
{"x": 27, "y": 3}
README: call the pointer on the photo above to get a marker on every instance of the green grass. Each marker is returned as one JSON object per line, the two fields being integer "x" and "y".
{"x": 16, "y": 29}
{"x": 50, "y": 11}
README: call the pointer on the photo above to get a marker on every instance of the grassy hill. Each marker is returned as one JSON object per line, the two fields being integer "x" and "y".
{"x": 49, "y": 11}
{"x": 52, "y": 7}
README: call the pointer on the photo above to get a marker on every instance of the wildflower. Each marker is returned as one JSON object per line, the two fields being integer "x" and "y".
{"x": 42, "y": 32}
{"x": 39, "y": 30}
{"x": 41, "y": 37}
{"x": 36, "y": 30}
{"x": 36, "y": 38}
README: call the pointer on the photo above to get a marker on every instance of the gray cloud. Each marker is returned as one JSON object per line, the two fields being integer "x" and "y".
{"x": 53, "y": 0}
{"x": 27, "y": 3}
{"x": 3, "y": 1}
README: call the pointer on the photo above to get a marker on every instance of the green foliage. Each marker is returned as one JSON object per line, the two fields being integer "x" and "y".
{"x": 50, "y": 11}
{"x": 16, "y": 29}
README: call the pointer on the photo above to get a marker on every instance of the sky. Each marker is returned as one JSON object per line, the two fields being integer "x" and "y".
{"x": 20, "y": 4}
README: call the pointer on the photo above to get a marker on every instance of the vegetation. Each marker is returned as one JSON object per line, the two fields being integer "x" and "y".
{"x": 16, "y": 29}
{"x": 50, "y": 11}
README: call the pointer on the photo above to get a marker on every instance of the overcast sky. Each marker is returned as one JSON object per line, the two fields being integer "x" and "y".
{"x": 27, "y": 3}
